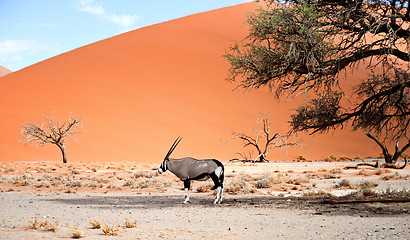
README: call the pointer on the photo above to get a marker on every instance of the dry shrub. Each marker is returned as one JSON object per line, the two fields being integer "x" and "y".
{"x": 77, "y": 233}
{"x": 331, "y": 158}
{"x": 363, "y": 172}
{"x": 34, "y": 224}
{"x": 130, "y": 182}
{"x": 239, "y": 185}
{"x": 396, "y": 176}
{"x": 130, "y": 224}
{"x": 112, "y": 230}
{"x": 265, "y": 181}
{"x": 95, "y": 224}
{"x": 10, "y": 168}
{"x": 336, "y": 170}
{"x": 315, "y": 193}
{"x": 301, "y": 158}
{"x": 367, "y": 184}
{"x": 43, "y": 225}
{"x": 343, "y": 183}
{"x": 205, "y": 187}
{"x": 331, "y": 176}
{"x": 145, "y": 173}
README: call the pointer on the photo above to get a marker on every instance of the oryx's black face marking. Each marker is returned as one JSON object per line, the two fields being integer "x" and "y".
{"x": 164, "y": 165}
{"x": 188, "y": 169}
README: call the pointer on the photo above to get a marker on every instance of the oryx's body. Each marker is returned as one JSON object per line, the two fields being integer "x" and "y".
{"x": 188, "y": 169}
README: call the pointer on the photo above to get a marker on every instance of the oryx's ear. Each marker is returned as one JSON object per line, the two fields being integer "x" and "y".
{"x": 174, "y": 145}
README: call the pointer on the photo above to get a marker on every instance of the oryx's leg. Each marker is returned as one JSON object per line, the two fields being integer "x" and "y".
{"x": 221, "y": 190}
{"x": 218, "y": 195}
{"x": 187, "y": 186}
{"x": 218, "y": 186}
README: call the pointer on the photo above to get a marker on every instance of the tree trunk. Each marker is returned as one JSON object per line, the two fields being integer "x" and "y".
{"x": 386, "y": 154}
{"x": 62, "y": 148}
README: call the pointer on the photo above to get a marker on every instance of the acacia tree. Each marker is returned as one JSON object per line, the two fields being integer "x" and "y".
{"x": 51, "y": 131}
{"x": 263, "y": 141}
{"x": 302, "y": 47}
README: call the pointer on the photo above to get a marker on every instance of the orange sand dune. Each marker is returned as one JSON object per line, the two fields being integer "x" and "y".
{"x": 138, "y": 91}
{"x": 4, "y": 71}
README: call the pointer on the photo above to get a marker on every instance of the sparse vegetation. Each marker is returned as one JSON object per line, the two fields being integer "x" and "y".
{"x": 147, "y": 174}
{"x": 301, "y": 158}
{"x": 239, "y": 185}
{"x": 112, "y": 230}
{"x": 331, "y": 158}
{"x": 205, "y": 187}
{"x": 343, "y": 183}
{"x": 44, "y": 225}
{"x": 331, "y": 176}
{"x": 95, "y": 224}
{"x": 77, "y": 233}
{"x": 130, "y": 224}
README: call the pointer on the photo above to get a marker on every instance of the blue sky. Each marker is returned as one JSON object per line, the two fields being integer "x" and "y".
{"x": 34, "y": 30}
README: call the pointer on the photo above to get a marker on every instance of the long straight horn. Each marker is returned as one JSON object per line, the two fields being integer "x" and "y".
{"x": 174, "y": 145}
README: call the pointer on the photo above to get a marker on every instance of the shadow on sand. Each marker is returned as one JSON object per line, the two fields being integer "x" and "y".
{"x": 314, "y": 206}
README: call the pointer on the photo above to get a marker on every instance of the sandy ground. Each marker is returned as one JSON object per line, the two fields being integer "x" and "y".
{"x": 277, "y": 212}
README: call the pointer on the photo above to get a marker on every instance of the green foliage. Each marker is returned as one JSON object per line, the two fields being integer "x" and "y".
{"x": 302, "y": 47}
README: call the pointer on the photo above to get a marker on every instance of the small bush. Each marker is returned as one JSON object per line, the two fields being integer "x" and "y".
{"x": 263, "y": 183}
{"x": 343, "y": 183}
{"x": 112, "y": 230}
{"x": 368, "y": 184}
{"x": 363, "y": 172}
{"x": 95, "y": 224}
{"x": 238, "y": 185}
{"x": 301, "y": 158}
{"x": 336, "y": 170}
{"x": 43, "y": 225}
{"x": 315, "y": 193}
{"x": 77, "y": 233}
{"x": 330, "y": 158}
{"x": 331, "y": 176}
{"x": 144, "y": 173}
{"x": 205, "y": 187}
{"x": 130, "y": 224}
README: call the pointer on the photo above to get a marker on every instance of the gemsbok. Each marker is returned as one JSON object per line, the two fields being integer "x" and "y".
{"x": 188, "y": 169}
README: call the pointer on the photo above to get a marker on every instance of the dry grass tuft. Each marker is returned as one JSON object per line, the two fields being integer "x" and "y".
{"x": 130, "y": 224}
{"x": 205, "y": 187}
{"x": 144, "y": 173}
{"x": 331, "y": 176}
{"x": 239, "y": 185}
{"x": 77, "y": 233}
{"x": 112, "y": 230}
{"x": 95, "y": 224}
{"x": 43, "y": 225}
{"x": 343, "y": 183}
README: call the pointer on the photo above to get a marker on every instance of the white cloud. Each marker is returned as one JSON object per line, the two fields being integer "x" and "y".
{"x": 125, "y": 21}
{"x": 91, "y": 7}
{"x": 11, "y": 50}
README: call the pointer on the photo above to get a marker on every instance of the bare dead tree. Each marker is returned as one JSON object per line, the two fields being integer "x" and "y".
{"x": 390, "y": 159}
{"x": 51, "y": 131}
{"x": 263, "y": 140}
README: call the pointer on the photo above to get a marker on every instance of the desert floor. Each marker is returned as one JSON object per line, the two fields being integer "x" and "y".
{"x": 277, "y": 200}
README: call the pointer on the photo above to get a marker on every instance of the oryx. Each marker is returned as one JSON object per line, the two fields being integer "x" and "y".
{"x": 188, "y": 169}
